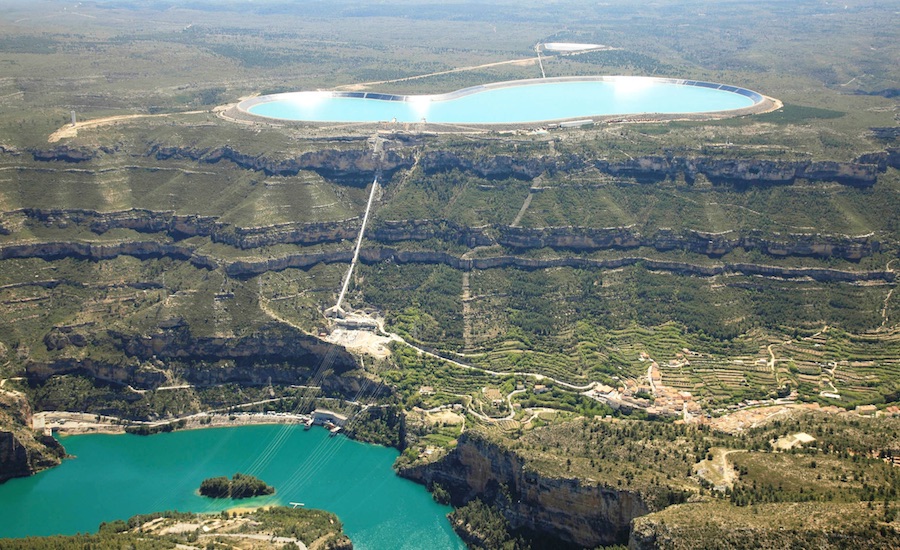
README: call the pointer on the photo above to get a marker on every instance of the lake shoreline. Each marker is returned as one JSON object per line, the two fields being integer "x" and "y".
{"x": 66, "y": 423}
{"x": 309, "y": 467}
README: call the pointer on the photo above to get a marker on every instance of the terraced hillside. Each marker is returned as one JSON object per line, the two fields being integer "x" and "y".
{"x": 160, "y": 259}
{"x": 154, "y": 238}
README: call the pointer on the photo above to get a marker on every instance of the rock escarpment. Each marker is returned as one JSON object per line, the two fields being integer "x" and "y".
{"x": 64, "y": 153}
{"x": 179, "y": 227}
{"x": 273, "y": 354}
{"x": 358, "y": 166}
{"x": 708, "y": 244}
{"x": 515, "y": 240}
{"x": 589, "y": 239}
{"x": 104, "y": 251}
{"x": 22, "y": 451}
{"x": 242, "y": 269}
{"x": 863, "y": 172}
{"x": 389, "y": 231}
{"x": 572, "y": 510}
{"x": 349, "y": 166}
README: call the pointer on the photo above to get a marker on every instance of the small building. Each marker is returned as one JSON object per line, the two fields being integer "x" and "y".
{"x": 322, "y": 416}
{"x": 540, "y": 388}
{"x": 866, "y": 410}
{"x": 357, "y": 323}
{"x": 576, "y": 123}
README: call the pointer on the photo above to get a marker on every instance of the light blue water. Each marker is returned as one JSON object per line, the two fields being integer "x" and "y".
{"x": 118, "y": 476}
{"x": 530, "y": 101}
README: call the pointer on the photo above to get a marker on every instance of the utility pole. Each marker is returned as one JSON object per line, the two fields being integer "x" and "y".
{"x": 537, "y": 49}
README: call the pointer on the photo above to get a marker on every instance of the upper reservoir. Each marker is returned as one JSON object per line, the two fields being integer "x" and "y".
{"x": 118, "y": 476}
{"x": 515, "y": 102}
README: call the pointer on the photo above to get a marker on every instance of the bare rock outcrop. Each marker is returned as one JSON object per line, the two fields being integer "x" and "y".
{"x": 103, "y": 251}
{"x": 240, "y": 269}
{"x": 64, "y": 153}
{"x": 357, "y": 166}
{"x": 574, "y": 238}
{"x": 649, "y": 169}
{"x": 572, "y": 510}
{"x": 350, "y": 166}
{"x": 271, "y": 354}
{"x": 22, "y": 451}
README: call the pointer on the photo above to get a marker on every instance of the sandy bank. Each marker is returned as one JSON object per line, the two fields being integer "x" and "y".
{"x": 74, "y": 423}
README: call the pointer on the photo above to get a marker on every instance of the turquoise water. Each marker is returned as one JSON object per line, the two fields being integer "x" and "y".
{"x": 118, "y": 476}
{"x": 516, "y": 102}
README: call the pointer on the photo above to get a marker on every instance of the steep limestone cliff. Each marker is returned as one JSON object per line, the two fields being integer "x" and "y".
{"x": 708, "y": 244}
{"x": 495, "y": 167}
{"x": 648, "y": 169}
{"x": 272, "y": 354}
{"x": 374, "y": 255}
{"x": 563, "y": 238}
{"x": 104, "y": 251}
{"x": 352, "y": 166}
{"x": 388, "y": 231}
{"x": 572, "y": 510}
{"x": 742, "y": 172}
{"x": 181, "y": 226}
{"x": 22, "y": 452}
{"x": 64, "y": 153}
{"x": 572, "y": 239}
{"x": 357, "y": 166}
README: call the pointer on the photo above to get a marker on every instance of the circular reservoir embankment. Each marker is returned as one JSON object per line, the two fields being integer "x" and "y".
{"x": 517, "y": 102}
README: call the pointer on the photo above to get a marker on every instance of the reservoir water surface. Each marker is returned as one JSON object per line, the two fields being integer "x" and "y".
{"x": 519, "y": 101}
{"x": 118, "y": 476}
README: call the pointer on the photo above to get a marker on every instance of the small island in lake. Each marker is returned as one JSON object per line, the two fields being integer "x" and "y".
{"x": 239, "y": 486}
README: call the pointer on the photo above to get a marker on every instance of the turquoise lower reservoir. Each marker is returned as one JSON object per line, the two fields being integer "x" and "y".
{"x": 118, "y": 476}
{"x": 514, "y": 102}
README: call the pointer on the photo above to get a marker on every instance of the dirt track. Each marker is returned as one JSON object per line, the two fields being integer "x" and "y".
{"x": 70, "y": 131}
{"x": 523, "y": 62}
